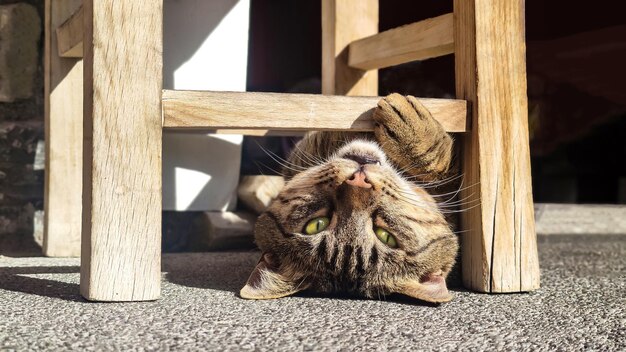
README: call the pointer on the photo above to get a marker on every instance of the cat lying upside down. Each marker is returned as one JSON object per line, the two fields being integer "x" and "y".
{"x": 349, "y": 221}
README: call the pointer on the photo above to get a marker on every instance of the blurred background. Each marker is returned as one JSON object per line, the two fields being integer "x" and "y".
{"x": 575, "y": 72}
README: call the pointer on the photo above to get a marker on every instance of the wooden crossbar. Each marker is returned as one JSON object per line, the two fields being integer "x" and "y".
{"x": 294, "y": 112}
{"x": 417, "y": 41}
{"x": 70, "y": 35}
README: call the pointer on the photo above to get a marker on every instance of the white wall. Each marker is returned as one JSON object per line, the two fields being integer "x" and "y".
{"x": 205, "y": 47}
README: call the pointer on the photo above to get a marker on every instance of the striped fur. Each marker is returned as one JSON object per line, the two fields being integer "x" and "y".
{"x": 347, "y": 256}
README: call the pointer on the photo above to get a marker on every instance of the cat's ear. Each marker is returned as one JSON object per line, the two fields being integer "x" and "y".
{"x": 267, "y": 282}
{"x": 430, "y": 288}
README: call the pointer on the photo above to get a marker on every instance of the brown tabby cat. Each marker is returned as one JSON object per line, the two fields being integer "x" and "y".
{"x": 352, "y": 222}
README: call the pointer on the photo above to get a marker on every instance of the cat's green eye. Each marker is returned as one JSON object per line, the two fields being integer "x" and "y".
{"x": 316, "y": 225}
{"x": 385, "y": 237}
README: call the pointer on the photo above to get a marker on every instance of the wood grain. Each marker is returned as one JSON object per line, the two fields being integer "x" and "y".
{"x": 499, "y": 248}
{"x": 70, "y": 35}
{"x": 295, "y": 112}
{"x": 417, "y": 41}
{"x": 344, "y": 21}
{"x": 63, "y": 91}
{"x": 259, "y": 133}
{"x": 121, "y": 243}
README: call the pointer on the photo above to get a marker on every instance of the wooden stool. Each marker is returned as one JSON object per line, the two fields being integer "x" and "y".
{"x": 119, "y": 130}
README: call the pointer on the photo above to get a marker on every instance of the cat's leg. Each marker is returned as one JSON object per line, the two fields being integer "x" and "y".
{"x": 412, "y": 138}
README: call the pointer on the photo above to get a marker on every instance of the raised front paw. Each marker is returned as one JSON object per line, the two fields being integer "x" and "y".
{"x": 410, "y": 135}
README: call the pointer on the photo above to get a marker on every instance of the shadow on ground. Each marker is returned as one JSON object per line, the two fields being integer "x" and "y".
{"x": 23, "y": 280}
{"x": 224, "y": 271}
{"x": 229, "y": 271}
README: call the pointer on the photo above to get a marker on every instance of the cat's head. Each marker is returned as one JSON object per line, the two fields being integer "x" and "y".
{"x": 353, "y": 224}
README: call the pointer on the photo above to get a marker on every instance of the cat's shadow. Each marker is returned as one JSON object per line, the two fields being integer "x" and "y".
{"x": 229, "y": 271}
{"x": 223, "y": 271}
{"x": 394, "y": 298}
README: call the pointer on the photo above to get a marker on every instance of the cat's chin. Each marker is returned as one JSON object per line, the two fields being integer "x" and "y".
{"x": 363, "y": 151}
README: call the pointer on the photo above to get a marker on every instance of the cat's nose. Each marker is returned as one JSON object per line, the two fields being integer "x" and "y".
{"x": 359, "y": 179}
{"x": 362, "y": 160}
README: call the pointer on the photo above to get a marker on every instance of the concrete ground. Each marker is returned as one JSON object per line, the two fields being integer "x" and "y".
{"x": 581, "y": 306}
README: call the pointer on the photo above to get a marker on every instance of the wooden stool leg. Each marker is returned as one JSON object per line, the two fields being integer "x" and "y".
{"x": 64, "y": 139}
{"x": 500, "y": 250}
{"x": 359, "y": 19}
{"x": 121, "y": 242}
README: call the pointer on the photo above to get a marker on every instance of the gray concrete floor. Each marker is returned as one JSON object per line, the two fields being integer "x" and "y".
{"x": 581, "y": 306}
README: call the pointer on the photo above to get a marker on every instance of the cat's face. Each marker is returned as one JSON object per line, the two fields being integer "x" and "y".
{"x": 353, "y": 224}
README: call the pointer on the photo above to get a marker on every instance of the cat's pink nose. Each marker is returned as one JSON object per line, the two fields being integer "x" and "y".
{"x": 359, "y": 179}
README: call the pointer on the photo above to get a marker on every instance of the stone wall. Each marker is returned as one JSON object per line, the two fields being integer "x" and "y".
{"x": 21, "y": 124}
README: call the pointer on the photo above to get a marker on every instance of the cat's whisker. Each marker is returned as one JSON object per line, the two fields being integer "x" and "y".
{"x": 450, "y": 207}
{"x": 409, "y": 178}
{"x": 454, "y": 200}
{"x": 438, "y": 183}
{"x": 271, "y": 169}
{"x": 282, "y": 162}
{"x": 313, "y": 160}
{"x": 459, "y": 203}
{"x": 461, "y": 210}
{"x": 416, "y": 202}
{"x": 302, "y": 281}
{"x": 411, "y": 195}
{"x": 305, "y": 162}
{"x": 449, "y": 203}
{"x": 278, "y": 158}
{"x": 444, "y": 210}
{"x": 454, "y": 192}
{"x": 302, "y": 157}
{"x": 287, "y": 167}
{"x": 411, "y": 192}
{"x": 460, "y": 207}
{"x": 431, "y": 185}
{"x": 408, "y": 168}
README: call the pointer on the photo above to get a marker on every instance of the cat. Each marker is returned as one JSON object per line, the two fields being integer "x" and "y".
{"x": 348, "y": 221}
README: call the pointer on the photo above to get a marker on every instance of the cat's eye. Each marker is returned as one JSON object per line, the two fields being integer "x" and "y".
{"x": 316, "y": 225}
{"x": 385, "y": 237}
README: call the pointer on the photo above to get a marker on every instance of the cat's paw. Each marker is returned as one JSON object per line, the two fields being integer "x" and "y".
{"x": 408, "y": 132}
{"x": 404, "y": 119}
